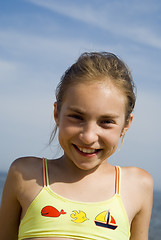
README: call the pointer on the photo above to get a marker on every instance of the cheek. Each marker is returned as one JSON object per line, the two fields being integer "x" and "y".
{"x": 111, "y": 138}
{"x": 66, "y": 133}
{"x": 67, "y": 129}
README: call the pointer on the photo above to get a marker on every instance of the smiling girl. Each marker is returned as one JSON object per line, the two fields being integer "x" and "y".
{"x": 81, "y": 195}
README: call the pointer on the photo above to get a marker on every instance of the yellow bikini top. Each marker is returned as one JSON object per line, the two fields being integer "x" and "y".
{"x": 51, "y": 215}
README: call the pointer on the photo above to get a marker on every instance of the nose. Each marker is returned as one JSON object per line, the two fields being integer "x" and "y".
{"x": 89, "y": 133}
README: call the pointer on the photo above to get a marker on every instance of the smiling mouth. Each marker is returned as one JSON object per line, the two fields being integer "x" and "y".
{"x": 87, "y": 150}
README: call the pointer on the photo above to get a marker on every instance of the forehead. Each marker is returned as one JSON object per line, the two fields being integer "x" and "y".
{"x": 95, "y": 98}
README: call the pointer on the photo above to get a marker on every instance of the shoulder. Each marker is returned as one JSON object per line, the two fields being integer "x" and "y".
{"x": 25, "y": 164}
{"x": 23, "y": 169}
{"x": 16, "y": 193}
{"x": 137, "y": 192}
{"x": 19, "y": 163}
{"x": 138, "y": 176}
{"x": 139, "y": 183}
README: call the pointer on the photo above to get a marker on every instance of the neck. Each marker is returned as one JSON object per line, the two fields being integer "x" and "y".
{"x": 77, "y": 173}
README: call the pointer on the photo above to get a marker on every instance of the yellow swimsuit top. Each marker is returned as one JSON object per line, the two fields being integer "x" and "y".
{"x": 51, "y": 215}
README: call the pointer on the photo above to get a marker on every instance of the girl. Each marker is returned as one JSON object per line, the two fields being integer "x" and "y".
{"x": 81, "y": 195}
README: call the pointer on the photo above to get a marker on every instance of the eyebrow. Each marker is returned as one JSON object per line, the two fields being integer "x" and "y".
{"x": 107, "y": 116}
{"x": 75, "y": 109}
{"x": 110, "y": 116}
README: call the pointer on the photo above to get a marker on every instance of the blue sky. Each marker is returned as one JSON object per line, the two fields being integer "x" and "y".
{"x": 39, "y": 39}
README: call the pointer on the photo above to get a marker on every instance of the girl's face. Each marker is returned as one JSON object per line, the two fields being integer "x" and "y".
{"x": 91, "y": 121}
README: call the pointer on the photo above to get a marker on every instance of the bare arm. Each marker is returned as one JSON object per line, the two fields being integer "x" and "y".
{"x": 140, "y": 223}
{"x": 10, "y": 208}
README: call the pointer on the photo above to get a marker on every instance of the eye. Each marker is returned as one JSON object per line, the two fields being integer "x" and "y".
{"x": 75, "y": 116}
{"x": 107, "y": 122}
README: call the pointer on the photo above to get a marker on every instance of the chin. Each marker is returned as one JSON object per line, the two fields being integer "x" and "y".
{"x": 87, "y": 166}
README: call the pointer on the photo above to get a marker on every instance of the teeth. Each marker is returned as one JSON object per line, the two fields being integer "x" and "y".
{"x": 86, "y": 150}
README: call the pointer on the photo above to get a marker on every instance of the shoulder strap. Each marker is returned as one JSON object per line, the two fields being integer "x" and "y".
{"x": 117, "y": 179}
{"x": 45, "y": 173}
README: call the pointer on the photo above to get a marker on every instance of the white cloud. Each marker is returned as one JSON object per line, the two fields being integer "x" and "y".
{"x": 144, "y": 36}
{"x": 108, "y": 16}
{"x": 25, "y": 48}
{"x": 20, "y": 44}
{"x": 29, "y": 43}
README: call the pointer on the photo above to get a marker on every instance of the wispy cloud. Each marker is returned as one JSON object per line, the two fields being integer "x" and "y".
{"x": 29, "y": 47}
{"x": 28, "y": 43}
{"x": 106, "y": 17}
{"x": 16, "y": 42}
{"x": 144, "y": 36}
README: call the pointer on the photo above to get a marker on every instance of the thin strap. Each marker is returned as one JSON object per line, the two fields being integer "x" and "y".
{"x": 45, "y": 173}
{"x": 117, "y": 180}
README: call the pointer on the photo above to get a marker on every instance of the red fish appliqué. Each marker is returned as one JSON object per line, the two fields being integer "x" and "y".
{"x": 50, "y": 211}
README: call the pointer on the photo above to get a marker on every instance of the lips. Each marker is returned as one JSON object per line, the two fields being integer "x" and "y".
{"x": 87, "y": 150}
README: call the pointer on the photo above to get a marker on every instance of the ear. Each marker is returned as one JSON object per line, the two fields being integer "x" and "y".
{"x": 124, "y": 130}
{"x": 56, "y": 114}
